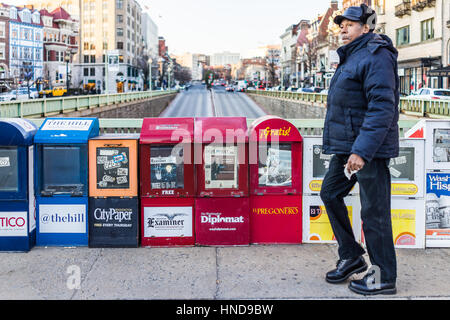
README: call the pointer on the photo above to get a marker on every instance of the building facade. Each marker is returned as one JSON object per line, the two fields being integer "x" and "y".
{"x": 288, "y": 55}
{"x": 60, "y": 35}
{"x": 224, "y": 58}
{"x": 109, "y": 29}
{"x": 25, "y": 45}
{"x": 417, "y": 30}
{"x": 5, "y": 81}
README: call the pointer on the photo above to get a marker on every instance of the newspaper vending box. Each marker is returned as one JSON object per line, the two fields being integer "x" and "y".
{"x": 275, "y": 156}
{"x": 61, "y": 180}
{"x": 437, "y": 179}
{"x": 17, "y": 210}
{"x": 113, "y": 191}
{"x": 167, "y": 184}
{"x": 222, "y": 203}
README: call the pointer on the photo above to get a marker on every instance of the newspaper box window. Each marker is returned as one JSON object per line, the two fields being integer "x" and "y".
{"x": 61, "y": 184}
{"x": 113, "y": 191}
{"x": 17, "y": 211}
{"x": 275, "y": 148}
{"x": 222, "y": 204}
{"x": 167, "y": 182}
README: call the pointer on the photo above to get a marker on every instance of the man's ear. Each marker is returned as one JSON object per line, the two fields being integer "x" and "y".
{"x": 366, "y": 28}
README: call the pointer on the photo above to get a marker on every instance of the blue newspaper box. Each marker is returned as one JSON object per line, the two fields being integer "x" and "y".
{"x": 61, "y": 180}
{"x": 17, "y": 213}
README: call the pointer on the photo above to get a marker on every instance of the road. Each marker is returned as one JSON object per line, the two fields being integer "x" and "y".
{"x": 200, "y": 102}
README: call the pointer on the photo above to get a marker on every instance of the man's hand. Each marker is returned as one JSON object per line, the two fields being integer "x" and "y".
{"x": 354, "y": 162}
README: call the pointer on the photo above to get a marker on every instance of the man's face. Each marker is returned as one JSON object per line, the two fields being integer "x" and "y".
{"x": 350, "y": 30}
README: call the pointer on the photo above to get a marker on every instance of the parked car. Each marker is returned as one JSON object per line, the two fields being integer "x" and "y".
{"x": 229, "y": 88}
{"x": 431, "y": 93}
{"x": 19, "y": 94}
{"x": 306, "y": 89}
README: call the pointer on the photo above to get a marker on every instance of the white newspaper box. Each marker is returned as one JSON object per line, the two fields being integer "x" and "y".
{"x": 436, "y": 133}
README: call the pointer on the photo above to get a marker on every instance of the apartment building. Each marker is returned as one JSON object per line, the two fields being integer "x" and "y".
{"x": 25, "y": 44}
{"x": 416, "y": 28}
{"x": 5, "y": 80}
{"x": 224, "y": 58}
{"x": 60, "y": 36}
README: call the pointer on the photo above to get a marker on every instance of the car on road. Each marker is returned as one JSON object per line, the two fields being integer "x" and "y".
{"x": 229, "y": 88}
{"x": 19, "y": 94}
{"x": 431, "y": 93}
{"x": 311, "y": 89}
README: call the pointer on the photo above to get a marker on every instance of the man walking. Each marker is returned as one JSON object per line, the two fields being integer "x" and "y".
{"x": 361, "y": 130}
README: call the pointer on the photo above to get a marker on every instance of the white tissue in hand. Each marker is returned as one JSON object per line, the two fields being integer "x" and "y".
{"x": 347, "y": 174}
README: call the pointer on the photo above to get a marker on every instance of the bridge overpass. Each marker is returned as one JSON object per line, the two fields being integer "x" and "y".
{"x": 123, "y": 112}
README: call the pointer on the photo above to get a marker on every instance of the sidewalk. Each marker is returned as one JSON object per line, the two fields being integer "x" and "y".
{"x": 253, "y": 272}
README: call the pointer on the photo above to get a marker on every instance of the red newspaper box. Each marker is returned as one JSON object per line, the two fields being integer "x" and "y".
{"x": 167, "y": 186}
{"x": 275, "y": 148}
{"x": 222, "y": 204}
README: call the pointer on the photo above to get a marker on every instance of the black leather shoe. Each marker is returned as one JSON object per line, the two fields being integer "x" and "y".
{"x": 345, "y": 268}
{"x": 368, "y": 286}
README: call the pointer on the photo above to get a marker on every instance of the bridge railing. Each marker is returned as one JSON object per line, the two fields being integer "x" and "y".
{"x": 433, "y": 108}
{"x": 51, "y": 106}
{"x": 307, "y": 127}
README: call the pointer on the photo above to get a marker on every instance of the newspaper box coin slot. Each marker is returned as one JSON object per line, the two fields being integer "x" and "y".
{"x": 167, "y": 182}
{"x": 222, "y": 204}
{"x": 61, "y": 184}
{"x": 113, "y": 191}
{"x": 17, "y": 211}
{"x": 275, "y": 148}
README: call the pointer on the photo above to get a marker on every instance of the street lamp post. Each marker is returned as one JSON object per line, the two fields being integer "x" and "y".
{"x": 150, "y": 76}
{"x": 67, "y": 59}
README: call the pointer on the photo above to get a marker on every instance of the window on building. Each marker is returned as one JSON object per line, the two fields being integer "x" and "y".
{"x": 92, "y": 73}
{"x": 2, "y": 51}
{"x": 120, "y": 18}
{"x": 120, "y": 32}
{"x": 86, "y": 59}
{"x": 15, "y": 33}
{"x": 120, "y": 45}
{"x": 13, "y": 13}
{"x": 402, "y": 36}
{"x": 93, "y": 58}
{"x": 86, "y": 72}
{"x": 119, "y": 4}
{"x": 427, "y": 29}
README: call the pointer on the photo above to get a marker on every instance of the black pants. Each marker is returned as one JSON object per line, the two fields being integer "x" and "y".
{"x": 375, "y": 193}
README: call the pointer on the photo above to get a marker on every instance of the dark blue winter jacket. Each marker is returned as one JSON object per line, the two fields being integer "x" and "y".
{"x": 362, "y": 106}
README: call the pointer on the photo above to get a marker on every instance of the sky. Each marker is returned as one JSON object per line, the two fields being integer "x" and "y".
{"x": 213, "y": 26}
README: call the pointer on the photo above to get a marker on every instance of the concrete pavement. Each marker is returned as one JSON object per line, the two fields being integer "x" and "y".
{"x": 250, "y": 272}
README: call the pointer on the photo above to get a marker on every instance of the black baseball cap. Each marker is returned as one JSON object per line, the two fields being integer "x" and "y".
{"x": 362, "y": 14}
